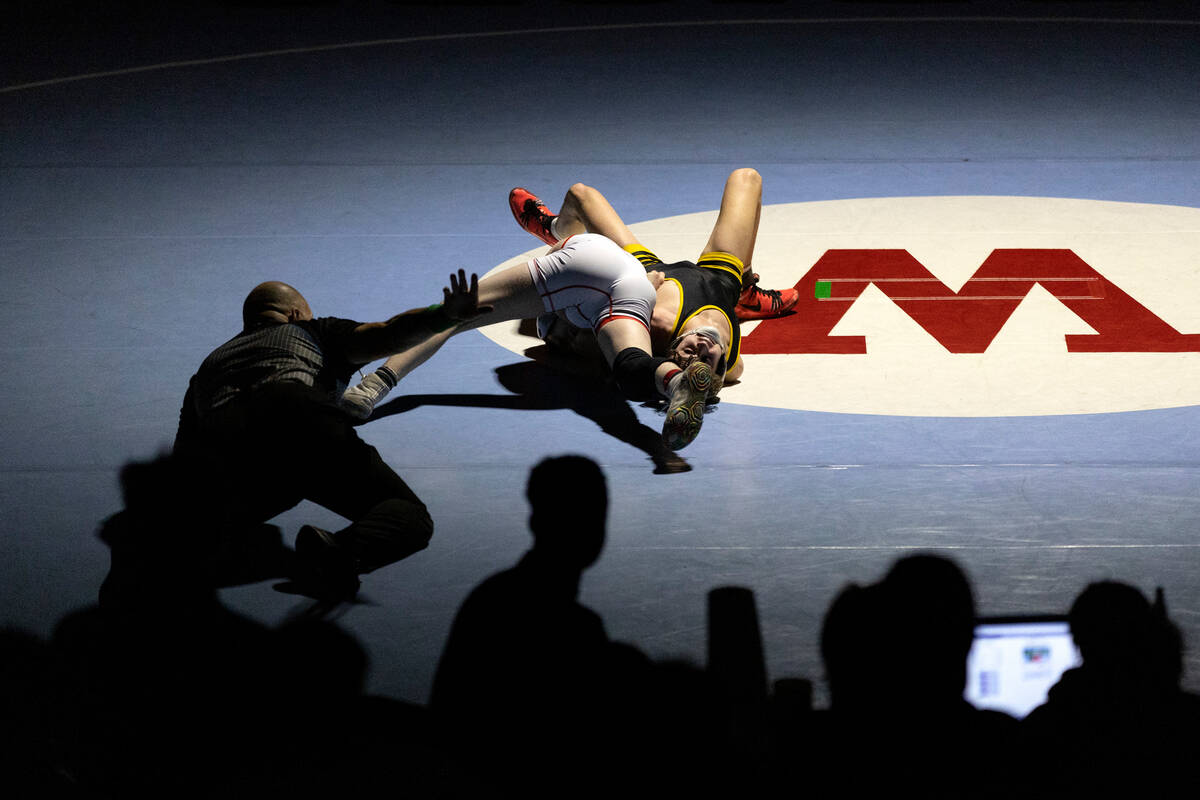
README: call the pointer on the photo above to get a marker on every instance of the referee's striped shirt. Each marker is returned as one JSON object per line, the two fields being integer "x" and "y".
{"x": 311, "y": 352}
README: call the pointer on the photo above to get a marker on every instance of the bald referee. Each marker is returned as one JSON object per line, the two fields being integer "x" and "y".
{"x": 261, "y": 419}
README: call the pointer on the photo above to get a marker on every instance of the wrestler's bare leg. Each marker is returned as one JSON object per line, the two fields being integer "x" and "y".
{"x": 736, "y": 232}
{"x": 686, "y": 390}
{"x": 620, "y": 333}
{"x": 736, "y": 228}
{"x": 585, "y": 209}
{"x": 510, "y": 293}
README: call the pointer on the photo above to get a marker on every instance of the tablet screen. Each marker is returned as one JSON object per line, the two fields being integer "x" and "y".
{"x": 1014, "y": 661}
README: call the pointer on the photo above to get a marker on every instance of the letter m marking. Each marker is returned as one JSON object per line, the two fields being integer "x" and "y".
{"x": 968, "y": 320}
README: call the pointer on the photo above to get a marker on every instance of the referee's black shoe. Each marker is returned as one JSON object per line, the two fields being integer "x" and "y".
{"x": 325, "y": 569}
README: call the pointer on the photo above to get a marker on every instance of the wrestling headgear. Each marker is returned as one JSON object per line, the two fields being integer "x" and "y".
{"x": 710, "y": 333}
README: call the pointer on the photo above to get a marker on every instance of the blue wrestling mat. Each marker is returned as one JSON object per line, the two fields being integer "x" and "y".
{"x": 994, "y": 223}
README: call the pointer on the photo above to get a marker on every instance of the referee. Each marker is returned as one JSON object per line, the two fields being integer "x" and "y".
{"x": 261, "y": 420}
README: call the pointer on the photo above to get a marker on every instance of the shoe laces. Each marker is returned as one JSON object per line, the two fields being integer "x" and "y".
{"x": 533, "y": 211}
{"x": 774, "y": 294}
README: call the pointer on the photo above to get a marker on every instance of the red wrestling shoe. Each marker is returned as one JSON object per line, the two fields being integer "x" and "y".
{"x": 531, "y": 214}
{"x": 756, "y": 303}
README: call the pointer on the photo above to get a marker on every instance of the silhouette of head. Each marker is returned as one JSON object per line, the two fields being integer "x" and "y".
{"x": 274, "y": 302}
{"x": 568, "y": 499}
{"x": 1118, "y": 630}
{"x": 167, "y": 492}
{"x": 163, "y": 543}
{"x": 919, "y": 620}
{"x": 934, "y": 592}
{"x": 851, "y": 647}
{"x": 929, "y": 603}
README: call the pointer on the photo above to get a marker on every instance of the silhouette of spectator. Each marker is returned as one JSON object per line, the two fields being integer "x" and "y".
{"x": 529, "y": 686}
{"x": 29, "y": 761}
{"x": 165, "y": 692}
{"x": 895, "y": 656}
{"x": 261, "y": 416}
{"x": 150, "y": 673}
{"x": 737, "y": 666}
{"x": 931, "y": 616}
{"x": 854, "y": 629}
{"x": 1119, "y": 724}
{"x": 170, "y": 547}
{"x": 689, "y": 746}
{"x": 327, "y": 737}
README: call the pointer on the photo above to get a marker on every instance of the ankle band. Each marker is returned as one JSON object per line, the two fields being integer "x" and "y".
{"x": 666, "y": 381}
{"x": 388, "y": 376}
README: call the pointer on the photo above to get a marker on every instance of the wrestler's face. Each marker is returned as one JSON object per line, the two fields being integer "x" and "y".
{"x": 697, "y": 347}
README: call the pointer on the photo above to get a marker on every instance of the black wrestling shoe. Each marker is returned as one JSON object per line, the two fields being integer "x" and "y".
{"x": 325, "y": 569}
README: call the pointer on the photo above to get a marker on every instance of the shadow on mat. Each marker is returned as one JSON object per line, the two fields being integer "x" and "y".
{"x": 538, "y": 387}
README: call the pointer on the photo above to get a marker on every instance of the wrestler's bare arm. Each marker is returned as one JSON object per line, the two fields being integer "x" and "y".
{"x": 734, "y": 373}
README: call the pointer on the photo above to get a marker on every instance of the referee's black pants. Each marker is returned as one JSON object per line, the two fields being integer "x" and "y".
{"x": 284, "y": 443}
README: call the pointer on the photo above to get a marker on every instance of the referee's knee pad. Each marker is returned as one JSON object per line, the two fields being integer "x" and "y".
{"x": 633, "y": 369}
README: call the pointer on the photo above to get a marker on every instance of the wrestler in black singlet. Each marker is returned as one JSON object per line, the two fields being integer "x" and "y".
{"x": 712, "y": 282}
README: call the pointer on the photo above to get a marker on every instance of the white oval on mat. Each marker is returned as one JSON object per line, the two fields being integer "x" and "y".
{"x": 1132, "y": 269}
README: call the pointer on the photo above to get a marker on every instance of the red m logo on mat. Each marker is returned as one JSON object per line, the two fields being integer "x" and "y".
{"x": 966, "y": 321}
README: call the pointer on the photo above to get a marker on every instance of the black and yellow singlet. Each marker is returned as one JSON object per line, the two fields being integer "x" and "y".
{"x": 715, "y": 281}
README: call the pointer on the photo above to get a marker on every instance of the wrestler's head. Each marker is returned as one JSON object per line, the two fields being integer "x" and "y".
{"x": 700, "y": 344}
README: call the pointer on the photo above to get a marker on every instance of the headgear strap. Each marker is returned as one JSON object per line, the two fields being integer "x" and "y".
{"x": 708, "y": 332}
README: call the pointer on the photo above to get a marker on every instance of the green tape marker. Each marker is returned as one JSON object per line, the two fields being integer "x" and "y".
{"x": 824, "y": 290}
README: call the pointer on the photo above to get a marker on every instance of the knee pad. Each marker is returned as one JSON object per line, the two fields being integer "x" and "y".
{"x": 633, "y": 369}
